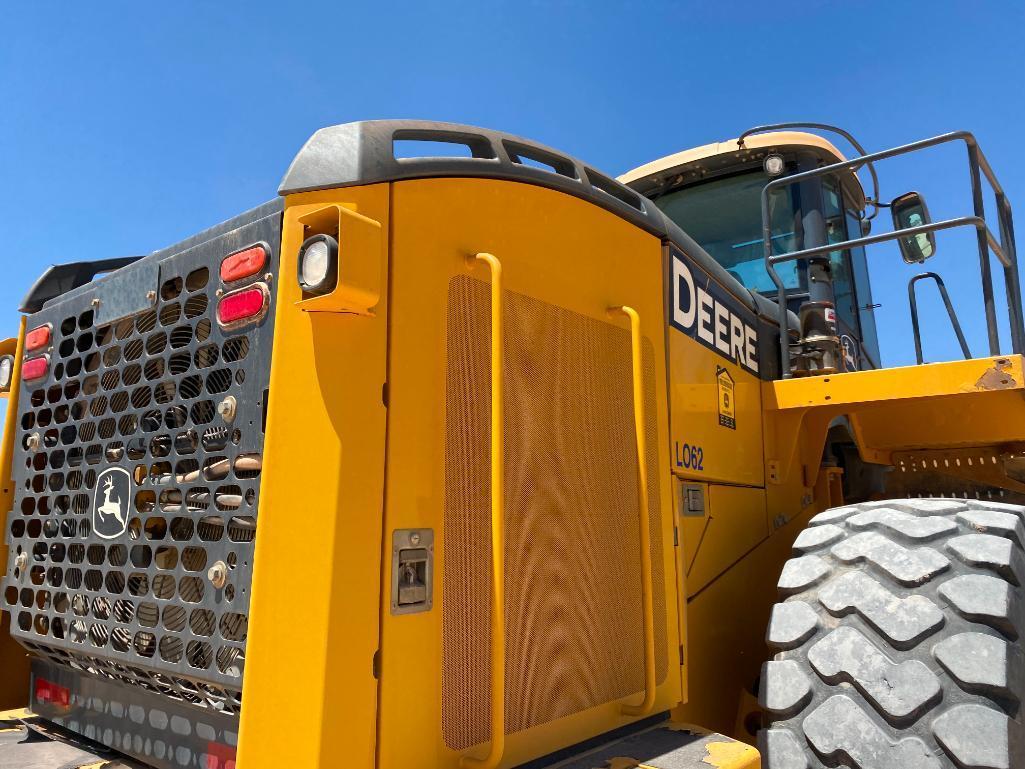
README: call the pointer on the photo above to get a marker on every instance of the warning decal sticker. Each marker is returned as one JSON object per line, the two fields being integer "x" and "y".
{"x": 725, "y": 386}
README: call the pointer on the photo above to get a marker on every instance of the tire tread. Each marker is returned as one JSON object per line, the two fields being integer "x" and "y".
{"x": 895, "y": 639}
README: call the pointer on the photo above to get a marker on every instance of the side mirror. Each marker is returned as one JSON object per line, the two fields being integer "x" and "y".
{"x": 909, "y": 210}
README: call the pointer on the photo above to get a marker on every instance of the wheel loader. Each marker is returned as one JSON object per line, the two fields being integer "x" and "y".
{"x": 460, "y": 453}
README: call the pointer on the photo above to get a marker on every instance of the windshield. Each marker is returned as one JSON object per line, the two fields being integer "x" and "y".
{"x": 725, "y": 217}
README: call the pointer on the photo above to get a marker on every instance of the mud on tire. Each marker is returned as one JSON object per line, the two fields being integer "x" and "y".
{"x": 898, "y": 639}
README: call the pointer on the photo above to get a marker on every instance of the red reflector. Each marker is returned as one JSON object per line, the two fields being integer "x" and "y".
{"x": 50, "y": 693}
{"x": 37, "y": 337}
{"x": 242, "y": 306}
{"x": 219, "y": 756}
{"x": 243, "y": 263}
{"x": 35, "y": 368}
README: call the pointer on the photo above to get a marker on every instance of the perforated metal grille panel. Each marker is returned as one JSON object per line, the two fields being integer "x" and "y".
{"x": 119, "y": 587}
{"x": 574, "y": 621}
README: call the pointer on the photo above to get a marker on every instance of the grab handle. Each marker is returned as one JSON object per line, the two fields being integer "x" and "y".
{"x": 647, "y": 589}
{"x": 913, "y": 301}
{"x": 497, "y": 748}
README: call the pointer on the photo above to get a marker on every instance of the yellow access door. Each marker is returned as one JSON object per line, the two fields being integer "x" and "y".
{"x": 574, "y": 615}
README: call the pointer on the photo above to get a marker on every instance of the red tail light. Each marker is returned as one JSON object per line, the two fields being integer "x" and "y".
{"x": 50, "y": 693}
{"x": 244, "y": 263}
{"x": 219, "y": 756}
{"x": 247, "y": 305}
{"x": 37, "y": 337}
{"x": 35, "y": 368}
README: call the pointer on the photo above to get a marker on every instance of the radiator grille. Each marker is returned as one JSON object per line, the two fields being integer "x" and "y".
{"x": 129, "y": 408}
{"x": 573, "y": 582}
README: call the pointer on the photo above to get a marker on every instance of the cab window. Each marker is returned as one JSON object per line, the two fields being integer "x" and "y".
{"x": 840, "y": 261}
{"x": 725, "y": 217}
{"x": 863, "y": 291}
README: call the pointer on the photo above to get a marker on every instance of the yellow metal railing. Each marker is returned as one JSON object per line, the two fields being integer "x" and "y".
{"x": 647, "y": 588}
{"x": 10, "y": 420}
{"x": 497, "y": 748}
{"x": 15, "y": 679}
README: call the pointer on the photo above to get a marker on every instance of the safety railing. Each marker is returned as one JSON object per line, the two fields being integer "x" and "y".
{"x": 913, "y": 301}
{"x": 1003, "y": 249}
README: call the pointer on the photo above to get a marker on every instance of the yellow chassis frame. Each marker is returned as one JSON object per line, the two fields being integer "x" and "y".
{"x": 938, "y": 406}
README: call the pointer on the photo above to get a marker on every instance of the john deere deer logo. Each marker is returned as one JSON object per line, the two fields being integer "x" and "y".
{"x": 111, "y": 502}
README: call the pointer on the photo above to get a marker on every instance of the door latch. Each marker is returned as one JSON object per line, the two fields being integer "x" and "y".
{"x": 412, "y": 571}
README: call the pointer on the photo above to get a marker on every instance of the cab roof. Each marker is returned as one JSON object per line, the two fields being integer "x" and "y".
{"x": 707, "y": 160}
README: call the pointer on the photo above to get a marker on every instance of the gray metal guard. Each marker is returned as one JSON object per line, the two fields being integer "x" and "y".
{"x": 127, "y": 559}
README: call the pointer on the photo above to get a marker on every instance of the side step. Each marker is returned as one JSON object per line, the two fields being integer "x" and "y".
{"x": 666, "y": 745}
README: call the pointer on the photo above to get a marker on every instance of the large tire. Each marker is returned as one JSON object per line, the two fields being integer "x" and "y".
{"x": 897, "y": 639}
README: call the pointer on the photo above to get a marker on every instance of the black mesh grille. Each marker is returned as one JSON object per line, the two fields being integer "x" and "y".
{"x": 142, "y": 394}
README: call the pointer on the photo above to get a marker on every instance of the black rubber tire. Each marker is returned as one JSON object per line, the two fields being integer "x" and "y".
{"x": 898, "y": 639}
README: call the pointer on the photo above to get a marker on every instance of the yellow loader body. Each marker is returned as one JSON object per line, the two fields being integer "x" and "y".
{"x": 371, "y": 622}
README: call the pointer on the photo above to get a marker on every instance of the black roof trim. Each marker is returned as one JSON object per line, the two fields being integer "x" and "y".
{"x": 363, "y": 153}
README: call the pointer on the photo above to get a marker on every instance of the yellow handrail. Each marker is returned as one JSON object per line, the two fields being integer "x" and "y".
{"x": 497, "y": 748}
{"x": 9, "y": 431}
{"x": 647, "y": 589}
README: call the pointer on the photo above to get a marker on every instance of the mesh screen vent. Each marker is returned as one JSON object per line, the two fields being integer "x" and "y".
{"x": 573, "y": 584}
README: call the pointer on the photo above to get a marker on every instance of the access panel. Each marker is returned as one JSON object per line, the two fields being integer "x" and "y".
{"x": 575, "y": 618}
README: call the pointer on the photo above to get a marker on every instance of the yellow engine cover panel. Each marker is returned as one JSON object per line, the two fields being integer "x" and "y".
{"x": 574, "y": 624}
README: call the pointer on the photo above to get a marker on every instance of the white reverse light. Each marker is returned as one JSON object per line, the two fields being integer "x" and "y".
{"x": 6, "y": 372}
{"x": 318, "y": 264}
{"x": 774, "y": 165}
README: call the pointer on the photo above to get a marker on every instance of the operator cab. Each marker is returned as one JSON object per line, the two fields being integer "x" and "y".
{"x": 714, "y": 194}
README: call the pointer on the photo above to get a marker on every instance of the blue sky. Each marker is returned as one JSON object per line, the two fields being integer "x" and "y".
{"x": 127, "y": 126}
